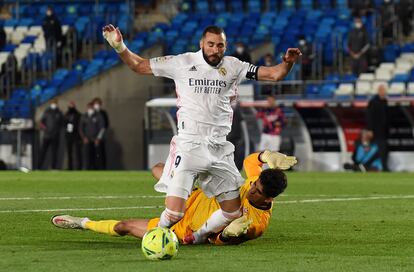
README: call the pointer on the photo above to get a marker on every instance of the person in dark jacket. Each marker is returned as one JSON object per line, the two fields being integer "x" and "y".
{"x": 378, "y": 123}
{"x": 92, "y": 130}
{"x": 73, "y": 139}
{"x": 405, "y": 10}
{"x": 358, "y": 45}
{"x": 366, "y": 156}
{"x": 242, "y": 53}
{"x": 97, "y": 105}
{"x": 51, "y": 124}
{"x": 52, "y": 30}
{"x": 2, "y": 37}
{"x": 236, "y": 136}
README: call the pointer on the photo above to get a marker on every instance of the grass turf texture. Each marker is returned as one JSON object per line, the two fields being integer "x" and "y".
{"x": 352, "y": 234}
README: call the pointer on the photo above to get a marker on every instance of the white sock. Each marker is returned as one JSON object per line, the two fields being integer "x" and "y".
{"x": 84, "y": 220}
{"x": 169, "y": 218}
{"x": 215, "y": 223}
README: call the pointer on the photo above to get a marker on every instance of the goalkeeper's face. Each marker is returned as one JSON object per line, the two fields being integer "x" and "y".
{"x": 257, "y": 196}
{"x": 213, "y": 47}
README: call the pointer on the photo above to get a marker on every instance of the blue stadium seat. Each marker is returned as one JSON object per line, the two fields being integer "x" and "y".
{"x": 219, "y": 5}
{"x": 236, "y": 6}
{"x": 401, "y": 78}
{"x": 202, "y": 6}
{"x": 391, "y": 52}
{"x": 253, "y": 6}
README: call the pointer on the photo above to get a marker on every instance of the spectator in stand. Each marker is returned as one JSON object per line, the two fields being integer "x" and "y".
{"x": 366, "y": 156}
{"x": 73, "y": 139}
{"x": 307, "y": 57}
{"x": 378, "y": 123}
{"x": 361, "y": 7}
{"x": 91, "y": 130}
{"x": 405, "y": 10}
{"x": 3, "y": 37}
{"x": 51, "y": 123}
{"x": 242, "y": 53}
{"x": 52, "y": 30}
{"x": 388, "y": 20}
{"x": 358, "y": 45}
{"x": 273, "y": 120}
{"x": 97, "y": 105}
{"x": 268, "y": 89}
{"x": 236, "y": 135}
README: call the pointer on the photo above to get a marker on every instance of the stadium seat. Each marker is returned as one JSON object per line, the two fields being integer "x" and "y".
{"x": 381, "y": 74}
{"x": 401, "y": 77}
{"x": 363, "y": 88}
{"x": 396, "y": 89}
{"x": 345, "y": 89}
{"x": 366, "y": 76}
{"x": 387, "y": 66}
{"x": 410, "y": 89}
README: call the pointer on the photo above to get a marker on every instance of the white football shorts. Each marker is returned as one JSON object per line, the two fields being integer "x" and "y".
{"x": 206, "y": 159}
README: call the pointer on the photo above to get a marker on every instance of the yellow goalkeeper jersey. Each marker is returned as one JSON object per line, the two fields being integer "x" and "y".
{"x": 199, "y": 208}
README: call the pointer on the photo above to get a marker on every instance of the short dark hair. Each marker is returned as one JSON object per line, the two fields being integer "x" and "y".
{"x": 274, "y": 182}
{"x": 213, "y": 29}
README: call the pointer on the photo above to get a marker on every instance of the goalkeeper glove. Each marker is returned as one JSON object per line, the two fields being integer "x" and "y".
{"x": 114, "y": 38}
{"x": 277, "y": 160}
{"x": 237, "y": 227}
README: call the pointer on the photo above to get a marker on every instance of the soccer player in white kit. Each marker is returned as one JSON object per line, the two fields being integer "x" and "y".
{"x": 205, "y": 82}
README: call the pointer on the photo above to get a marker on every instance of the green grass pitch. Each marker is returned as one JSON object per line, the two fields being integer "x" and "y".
{"x": 323, "y": 222}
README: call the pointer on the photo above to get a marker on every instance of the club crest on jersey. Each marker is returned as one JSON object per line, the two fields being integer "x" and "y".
{"x": 222, "y": 71}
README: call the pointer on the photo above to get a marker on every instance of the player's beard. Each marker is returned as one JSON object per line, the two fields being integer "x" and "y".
{"x": 216, "y": 61}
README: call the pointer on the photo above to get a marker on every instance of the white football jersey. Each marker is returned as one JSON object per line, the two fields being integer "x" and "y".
{"x": 203, "y": 91}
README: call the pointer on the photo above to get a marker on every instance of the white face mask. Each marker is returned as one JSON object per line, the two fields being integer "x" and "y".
{"x": 302, "y": 42}
{"x": 358, "y": 25}
{"x": 53, "y": 106}
{"x": 49, "y": 13}
{"x": 97, "y": 106}
{"x": 90, "y": 112}
{"x": 239, "y": 50}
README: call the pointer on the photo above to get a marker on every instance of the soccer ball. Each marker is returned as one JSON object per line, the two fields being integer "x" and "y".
{"x": 159, "y": 244}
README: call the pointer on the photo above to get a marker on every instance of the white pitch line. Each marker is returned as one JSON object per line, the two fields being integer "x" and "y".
{"x": 318, "y": 200}
{"x": 81, "y": 209}
{"x": 342, "y": 199}
{"x": 79, "y": 197}
{"x": 132, "y": 197}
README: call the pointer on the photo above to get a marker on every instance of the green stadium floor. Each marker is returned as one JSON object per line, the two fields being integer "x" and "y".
{"x": 323, "y": 222}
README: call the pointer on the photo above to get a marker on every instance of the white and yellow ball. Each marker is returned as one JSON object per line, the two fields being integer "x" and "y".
{"x": 159, "y": 244}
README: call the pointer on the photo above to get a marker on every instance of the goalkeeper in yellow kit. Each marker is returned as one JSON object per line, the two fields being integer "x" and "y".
{"x": 257, "y": 194}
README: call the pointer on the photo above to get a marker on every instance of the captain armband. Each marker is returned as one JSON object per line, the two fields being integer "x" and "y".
{"x": 252, "y": 72}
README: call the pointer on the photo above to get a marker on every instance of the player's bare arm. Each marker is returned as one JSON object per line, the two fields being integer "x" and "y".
{"x": 135, "y": 62}
{"x": 278, "y": 72}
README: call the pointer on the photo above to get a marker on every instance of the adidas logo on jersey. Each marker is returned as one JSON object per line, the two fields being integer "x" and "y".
{"x": 193, "y": 69}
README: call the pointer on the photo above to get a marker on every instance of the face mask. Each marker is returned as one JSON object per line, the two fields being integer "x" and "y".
{"x": 358, "y": 25}
{"x": 240, "y": 50}
{"x": 302, "y": 42}
{"x": 48, "y": 13}
{"x": 96, "y": 106}
{"x": 387, "y": 1}
{"x": 53, "y": 106}
{"x": 268, "y": 63}
{"x": 90, "y": 112}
